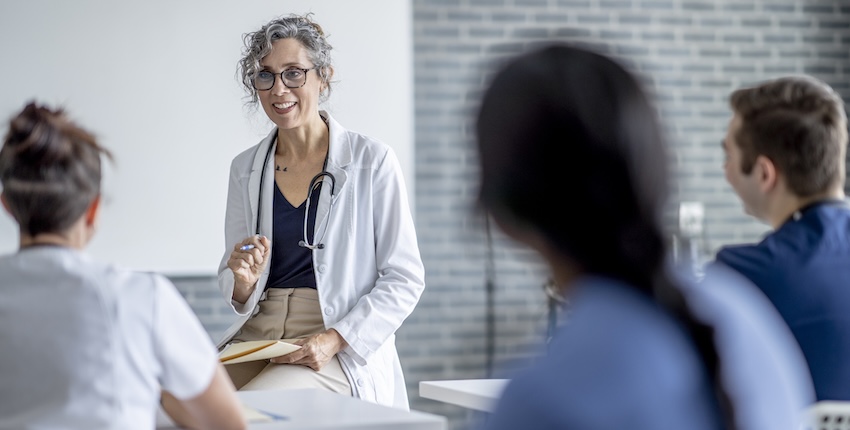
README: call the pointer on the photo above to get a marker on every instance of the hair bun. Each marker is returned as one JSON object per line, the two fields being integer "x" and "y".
{"x": 38, "y": 135}
{"x": 50, "y": 170}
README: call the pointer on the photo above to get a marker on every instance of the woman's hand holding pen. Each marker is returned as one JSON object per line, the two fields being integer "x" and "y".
{"x": 315, "y": 351}
{"x": 248, "y": 261}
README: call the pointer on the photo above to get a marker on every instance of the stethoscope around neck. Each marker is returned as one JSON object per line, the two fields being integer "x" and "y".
{"x": 314, "y": 183}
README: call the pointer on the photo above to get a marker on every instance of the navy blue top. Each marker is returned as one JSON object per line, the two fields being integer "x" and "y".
{"x": 804, "y": 268}
{"x": 291, "y": 264}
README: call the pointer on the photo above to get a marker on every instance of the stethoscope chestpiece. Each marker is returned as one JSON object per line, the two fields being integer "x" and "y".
{"x": 304, "y": 244}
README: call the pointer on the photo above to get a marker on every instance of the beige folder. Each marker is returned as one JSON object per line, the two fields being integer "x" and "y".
{"x": 241, "y": 352}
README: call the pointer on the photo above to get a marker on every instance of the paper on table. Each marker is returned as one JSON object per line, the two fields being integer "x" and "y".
{"x": 255, "y": 350}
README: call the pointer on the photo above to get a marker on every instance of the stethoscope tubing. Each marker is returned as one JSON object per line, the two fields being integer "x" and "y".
{"x": 319, "y": 177}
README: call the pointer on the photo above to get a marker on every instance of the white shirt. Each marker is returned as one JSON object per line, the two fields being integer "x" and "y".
{"x": 88, "y": 346}
{"x": 369, "y": 274}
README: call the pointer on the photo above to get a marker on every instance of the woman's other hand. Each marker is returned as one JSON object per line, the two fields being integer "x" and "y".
{"x": 248, "y": 261}
{"x": 315, "y": 351}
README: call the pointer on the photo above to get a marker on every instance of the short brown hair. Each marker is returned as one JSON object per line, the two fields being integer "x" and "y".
{"x": 50, "y": 170}
{"x": 799, "y": 123}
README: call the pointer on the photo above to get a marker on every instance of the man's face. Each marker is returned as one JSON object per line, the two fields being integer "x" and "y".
{"x": 745, "y": 185}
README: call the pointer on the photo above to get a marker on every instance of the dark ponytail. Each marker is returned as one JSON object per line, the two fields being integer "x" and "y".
{"x": 50, "y": 170}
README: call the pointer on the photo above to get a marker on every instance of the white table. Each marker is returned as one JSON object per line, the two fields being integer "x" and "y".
{"x": 478, "y": 394}
{"x": 315, "y": 409}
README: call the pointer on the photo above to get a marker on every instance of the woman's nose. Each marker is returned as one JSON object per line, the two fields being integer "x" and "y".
{"x": 279, "y": 88}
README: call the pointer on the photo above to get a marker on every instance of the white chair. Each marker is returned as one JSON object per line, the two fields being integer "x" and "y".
{"x": 827, "y": 415}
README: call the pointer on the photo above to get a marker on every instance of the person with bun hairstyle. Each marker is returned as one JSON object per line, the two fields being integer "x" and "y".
{"x": 320, "y": 244}
{"x": 87, "y": 345}
{"x": 644, "y": 346}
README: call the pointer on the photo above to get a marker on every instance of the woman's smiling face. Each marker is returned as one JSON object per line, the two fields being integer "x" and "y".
{"x": 290, "y": 108}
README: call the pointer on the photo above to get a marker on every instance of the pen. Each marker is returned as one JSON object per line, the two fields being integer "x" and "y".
{"x": 246, "y": 247}
{"x": 274, "y": 417}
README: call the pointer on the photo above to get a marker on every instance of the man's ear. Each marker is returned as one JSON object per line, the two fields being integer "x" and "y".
{"x": 768, "y": 176}
{"x": 93, "y": 212}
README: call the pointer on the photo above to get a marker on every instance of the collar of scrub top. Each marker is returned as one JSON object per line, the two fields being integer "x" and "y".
{"x": 798, "y": 214}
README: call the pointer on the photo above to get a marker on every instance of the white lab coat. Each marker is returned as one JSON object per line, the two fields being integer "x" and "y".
{"x": 369, "y": 275}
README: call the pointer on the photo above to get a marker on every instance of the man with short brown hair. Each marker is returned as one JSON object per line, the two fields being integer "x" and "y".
{"x": 785, "y": 158}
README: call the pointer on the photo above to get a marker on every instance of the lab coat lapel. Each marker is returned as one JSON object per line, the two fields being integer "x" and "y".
{"x": 339, "y": 156}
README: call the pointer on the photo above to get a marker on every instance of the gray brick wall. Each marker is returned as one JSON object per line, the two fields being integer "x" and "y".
{"x": 691, "y": 54}
{"x": 202, "y": 294}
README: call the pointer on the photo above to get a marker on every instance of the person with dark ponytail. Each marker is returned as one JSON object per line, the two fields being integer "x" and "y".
{"x": 87, "y": 345}
{"x": 573, "y": 165}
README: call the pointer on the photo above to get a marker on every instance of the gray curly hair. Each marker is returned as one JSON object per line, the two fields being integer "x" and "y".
{"x": 258, "y": 44}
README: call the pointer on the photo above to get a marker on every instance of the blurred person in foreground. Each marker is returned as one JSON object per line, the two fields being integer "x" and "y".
{"x": 644, "y": 346}
{"x": 785, "y": 153}
{"x": 87, "y": 345}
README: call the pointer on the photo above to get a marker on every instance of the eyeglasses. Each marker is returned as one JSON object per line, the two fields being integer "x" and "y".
{"x": 292, "y": 78}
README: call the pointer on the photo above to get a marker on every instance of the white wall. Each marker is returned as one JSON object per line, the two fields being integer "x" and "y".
{"x": 156, "y": 81}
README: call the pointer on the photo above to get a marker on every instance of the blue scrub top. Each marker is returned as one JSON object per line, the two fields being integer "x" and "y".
{"x": 291, "y": 264}
{"x": 804, "y": 269}
{"x": 620, "y": 362}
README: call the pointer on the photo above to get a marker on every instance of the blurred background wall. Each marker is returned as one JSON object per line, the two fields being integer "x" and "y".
{"x": 691, "y": 54}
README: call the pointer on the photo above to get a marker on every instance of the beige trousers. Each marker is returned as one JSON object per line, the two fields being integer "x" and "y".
{"x": 286, "y": 313}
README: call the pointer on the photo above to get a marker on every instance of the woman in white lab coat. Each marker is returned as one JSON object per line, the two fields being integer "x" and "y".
{"x": 321, "y": 246}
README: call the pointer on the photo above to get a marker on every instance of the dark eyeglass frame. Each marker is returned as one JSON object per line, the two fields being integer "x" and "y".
{"x": 282, "y": 79}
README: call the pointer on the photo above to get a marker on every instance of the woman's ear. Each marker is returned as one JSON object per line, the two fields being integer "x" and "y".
{"x": 91, "y": 217}
{"x": 5, "y": 204}
{"x": 93, "y": 212}
{"x": 329, "y": 74}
